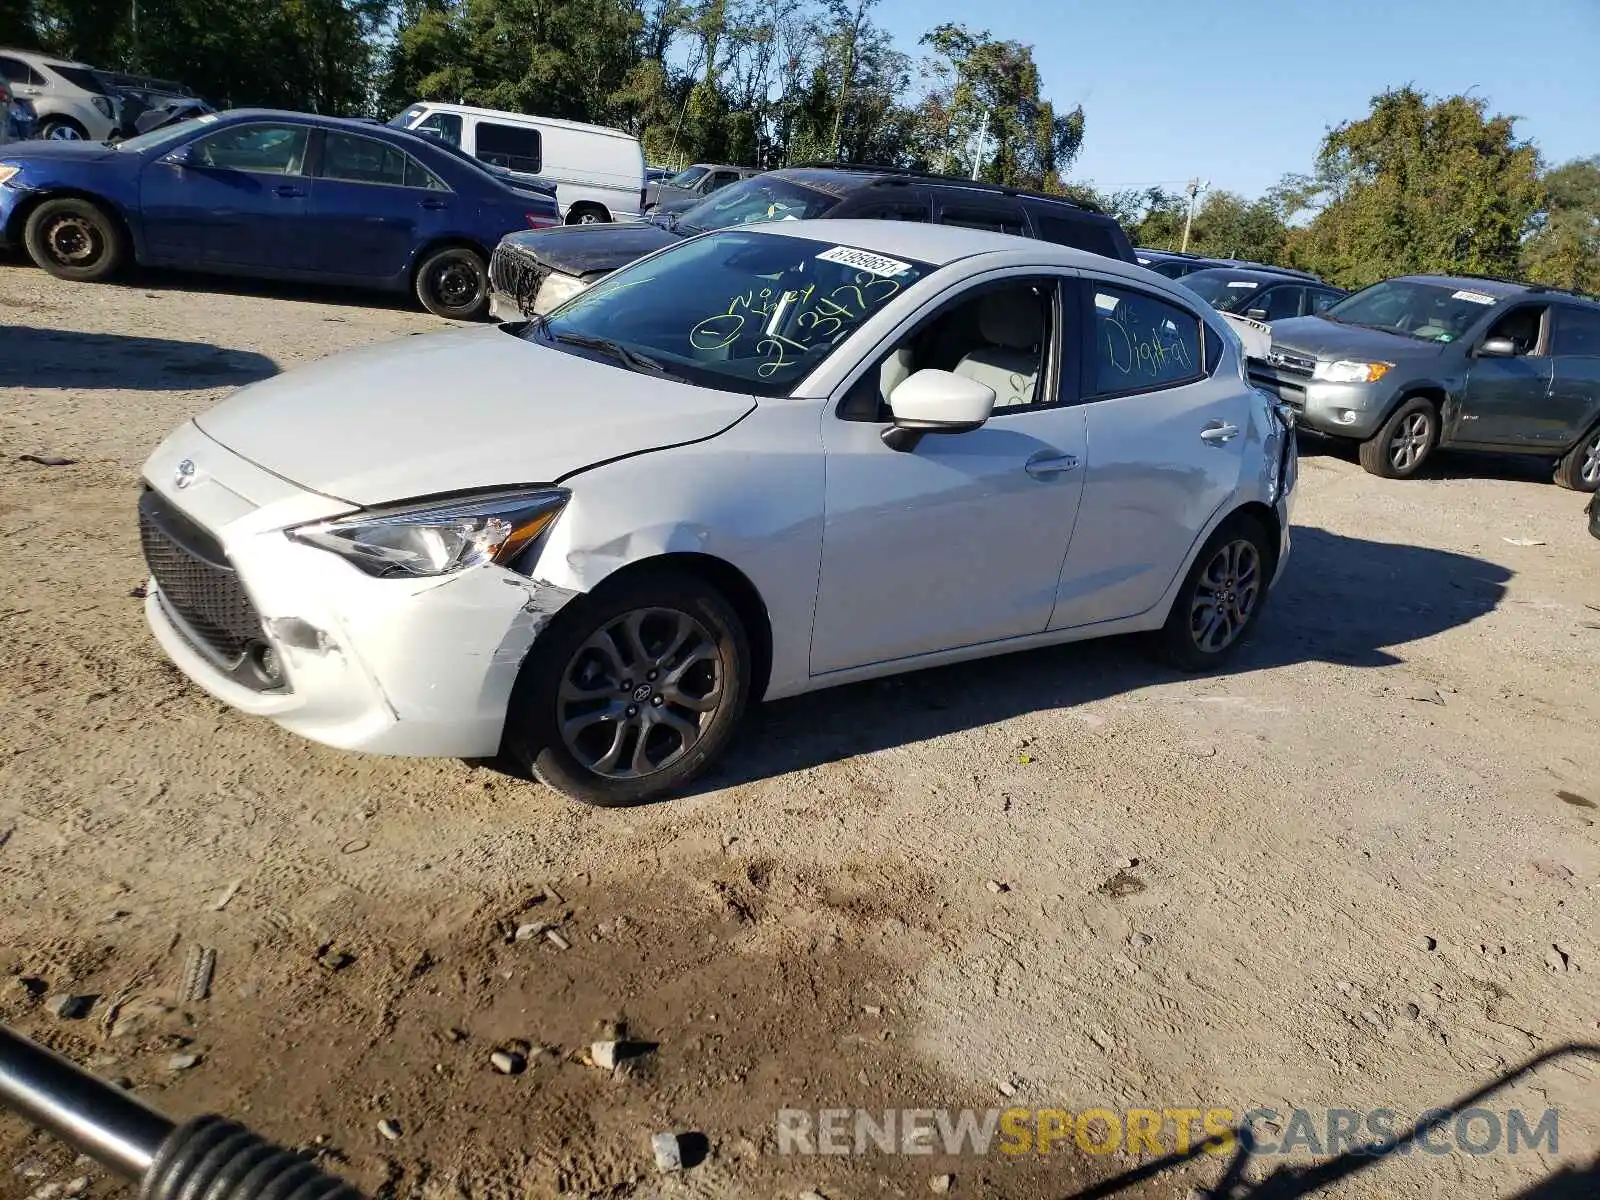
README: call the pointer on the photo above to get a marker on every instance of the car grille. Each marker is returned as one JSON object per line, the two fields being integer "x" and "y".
{"x": 1284, "y": 373}
{"x": 197, "y": 581}
{"x": 518, "y": 275}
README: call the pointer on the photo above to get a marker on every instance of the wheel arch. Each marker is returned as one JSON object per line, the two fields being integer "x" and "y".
{"x": 577, "y": 207}
{"x": 24, "y": 210}
{"x": 735, "y": 586}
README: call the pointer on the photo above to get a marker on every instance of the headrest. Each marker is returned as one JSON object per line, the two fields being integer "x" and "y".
{"x": 1012, "y": 319}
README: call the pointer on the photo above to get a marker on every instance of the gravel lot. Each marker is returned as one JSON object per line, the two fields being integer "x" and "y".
{"x": 1358, "y": 870}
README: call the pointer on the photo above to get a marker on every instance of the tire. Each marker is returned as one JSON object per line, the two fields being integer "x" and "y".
{"x": 588, "y": 214}
{"x": 1579, "y": 468}
{"x": 75, "y": 239}
{"x": 453, "y": 283}
{"x": 62, "y": 129}
{"x": 1237, "y": 560}
{"x": 1405, "y": 441}
{"x": 702, "y": 642}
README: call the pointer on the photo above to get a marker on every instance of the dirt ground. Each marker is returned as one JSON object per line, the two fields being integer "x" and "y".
{"x": 1357, "y": 871}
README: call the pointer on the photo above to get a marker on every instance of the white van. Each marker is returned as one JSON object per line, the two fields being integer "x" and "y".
{"x": 598, "y": 172}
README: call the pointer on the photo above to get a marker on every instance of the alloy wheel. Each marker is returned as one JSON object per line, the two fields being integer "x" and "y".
{"x": 63, "y": 133}
{"x": 1225, "y": 596}
{"x": 640, "y": 693}
{"x": 72, "y": 241}
{"x": 1410, "y": 441}
{"x": 1590, "y": 471}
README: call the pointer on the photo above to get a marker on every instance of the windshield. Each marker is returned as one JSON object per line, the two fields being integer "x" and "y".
{"x": 688, "y": 177}
{"x": 403, "y": 120}
{"x": 166, "y": 136}
{"x": 766, "y": 309}
{"x": 1221, "y": 289}
{"x": 1430, "y": 312}
{"x": 760, "y": 198}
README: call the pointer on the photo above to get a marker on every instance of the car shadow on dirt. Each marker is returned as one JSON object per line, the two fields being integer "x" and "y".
{"x": 1342, "y": 600}
{"x": 152, "y": 279}
{"x": 1446, "y": 464}
{"x": 69, "y": 358}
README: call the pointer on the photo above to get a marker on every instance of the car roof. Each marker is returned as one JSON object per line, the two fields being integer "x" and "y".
{"x": 557, "y": 122}
{"x": 1499, "y": 288}
{"x": 937, "y": 245}
{"x": 1258, "y": 274}
{"x": 49, "y": 60}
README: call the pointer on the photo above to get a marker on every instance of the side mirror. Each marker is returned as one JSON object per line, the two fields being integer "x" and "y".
{"x": 183, "y": 156}
{"x": 936, "y": 402}
{"x": 1256, "y": 314}
{"x": 1498, "y": 347}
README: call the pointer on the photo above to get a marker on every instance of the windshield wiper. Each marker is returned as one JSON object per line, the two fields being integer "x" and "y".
{"x": 625, "y": 355}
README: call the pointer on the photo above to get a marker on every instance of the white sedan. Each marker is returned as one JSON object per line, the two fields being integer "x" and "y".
{"x": 760, "y": 462}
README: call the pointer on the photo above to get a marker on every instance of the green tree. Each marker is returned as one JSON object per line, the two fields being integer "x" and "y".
{"x": 1229, "y": 226}
{"x": 1565, "y": 249}
{"x": 994, "y": 83}
{"x": 1422, "y": 185}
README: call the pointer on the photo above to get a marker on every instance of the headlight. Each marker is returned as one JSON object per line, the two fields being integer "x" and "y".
{"x": 1351, "y": 370}
{"x": 436, "y": 539}
{"x": 557, "y": 289}
{"x": 103, "y": 104}
{"x": 8, "y": 172}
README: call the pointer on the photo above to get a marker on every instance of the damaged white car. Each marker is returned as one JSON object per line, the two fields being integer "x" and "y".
{"x": 757, "y": 463}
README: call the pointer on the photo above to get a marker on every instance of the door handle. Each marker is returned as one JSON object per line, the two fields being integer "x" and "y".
{"x": 434, "y": 205}
{"x": 1218, "y": 432}
{"x": 288, "y": 191}
{"x": 1045, "y": 464}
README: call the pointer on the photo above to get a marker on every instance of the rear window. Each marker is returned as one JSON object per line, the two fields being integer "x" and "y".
{"x": 14, "y": 71}
{"x": 994, "y": 219}
{"x": 514, "y": 147}
{"x": 1092, "y": 236}
{"x": 82, "y": 77}
{"x": 1141, "y": 343}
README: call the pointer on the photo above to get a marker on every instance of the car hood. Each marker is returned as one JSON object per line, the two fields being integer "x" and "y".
{"x": 1325, "y": 339}
{"x": 450, "y": 412}
{"x": 582, "y": 249}
{"x": 40, "y": 150}
{"x": 661, "y": 193}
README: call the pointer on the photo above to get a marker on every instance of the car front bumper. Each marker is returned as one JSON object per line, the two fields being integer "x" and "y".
{"x": 1350, "y": 410}
{"x": 410, "y": 666}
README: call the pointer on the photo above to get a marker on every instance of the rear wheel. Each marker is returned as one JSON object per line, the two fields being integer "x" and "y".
{"x": 62, "y": 129}
{"x": 1406, "y": 441}
{"x": 632, "y": 692}
{"x": 1579, "y": 468}
{"x": 454, "y": 283}
{"x": 1221, "y": 597}
{"x": 75, "y": 239}
{"x": 587, "y": 214}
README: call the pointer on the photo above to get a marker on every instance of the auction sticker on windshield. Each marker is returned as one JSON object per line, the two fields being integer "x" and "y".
{"x": 864, "y": 260}
{"x": 1475, "y": 297}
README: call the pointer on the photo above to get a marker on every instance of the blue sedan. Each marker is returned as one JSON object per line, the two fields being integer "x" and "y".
{"x": 271, "y": 194}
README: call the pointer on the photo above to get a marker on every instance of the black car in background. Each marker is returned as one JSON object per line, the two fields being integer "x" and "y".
{"x": 1262, "y": 293}
{"x": 533, "y": 272}
{"x": 1175, "y": 264}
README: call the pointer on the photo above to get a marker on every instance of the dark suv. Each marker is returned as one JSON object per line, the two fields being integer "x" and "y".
{"x": 1262, "y": 293}
{"x": 1423, "y": 361}
{"x": 533, "y": 272}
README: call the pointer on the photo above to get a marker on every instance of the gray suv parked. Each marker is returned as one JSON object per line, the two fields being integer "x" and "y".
{"x": 1412, "y": 364}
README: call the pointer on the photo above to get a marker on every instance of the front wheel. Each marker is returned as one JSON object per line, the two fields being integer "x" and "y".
{"x": 62, "y": 129}
{"x": 1221, "y": 597}
{"x": 632, "y": 692}
{"x": 1406, "y": 441}
{"x": 1579, "y": 468}
{"x": 75, "y": 239}
{"x": 454, "y": 283}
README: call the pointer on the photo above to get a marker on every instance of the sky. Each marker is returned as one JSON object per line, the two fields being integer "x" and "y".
{"x": 1240, "y": 94}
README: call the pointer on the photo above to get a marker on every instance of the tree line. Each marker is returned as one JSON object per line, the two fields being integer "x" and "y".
{"x": 1418, "y": 183}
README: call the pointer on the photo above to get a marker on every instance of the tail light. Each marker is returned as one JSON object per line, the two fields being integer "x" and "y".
{"x": 5, "y": 93}
{"x": 539, "y": 220}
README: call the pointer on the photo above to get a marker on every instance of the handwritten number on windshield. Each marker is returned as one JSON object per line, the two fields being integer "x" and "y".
{"x": 816, "y": 317}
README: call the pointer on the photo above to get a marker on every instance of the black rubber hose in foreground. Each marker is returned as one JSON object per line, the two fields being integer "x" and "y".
{"x": 212, "y": 1158}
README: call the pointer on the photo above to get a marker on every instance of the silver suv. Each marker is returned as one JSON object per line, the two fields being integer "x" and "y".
{"x": 71, "y": 101}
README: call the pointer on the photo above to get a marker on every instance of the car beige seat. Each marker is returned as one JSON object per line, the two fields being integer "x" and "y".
{"x": 1012, "y": 325}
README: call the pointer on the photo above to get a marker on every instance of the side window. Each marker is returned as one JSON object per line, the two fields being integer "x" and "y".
{"x": 1000, "y": 337}
{"x": 261, "y": 149}
{"x": 891, "y": 210}
{"x": 1575, "y": 332}
{"x": 1522, "y": 325}
{"x": 723, "y": 179}
{"x": 1280, "y": 302}
{"x": 993, "y": 217}
{"x": 1068, "y": 231}
{"x": 16, "y": 71}
{"x": 1140, "y": 343}
{"x": 443, "y": 125}
{"x": 363, "y": 160}
{"x": 1321, "y": 301}
{"x": 514, "y": 147}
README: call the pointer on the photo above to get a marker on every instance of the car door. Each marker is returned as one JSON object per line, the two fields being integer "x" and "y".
{"x": 1505, "y": 400}
{"x": 959, "y": 540}
{"x": 374, "y": 205}
{"x": 1166, "y": 439}
{"x": 1574, "y": 405}
{"x": 233, "y": 197}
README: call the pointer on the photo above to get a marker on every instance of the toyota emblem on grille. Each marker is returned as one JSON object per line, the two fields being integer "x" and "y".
{"x": 184, "y": 475}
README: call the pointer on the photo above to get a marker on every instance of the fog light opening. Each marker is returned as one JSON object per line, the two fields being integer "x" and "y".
{"x": 1345, "y": 416}
{"x": 265, "y": 663}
